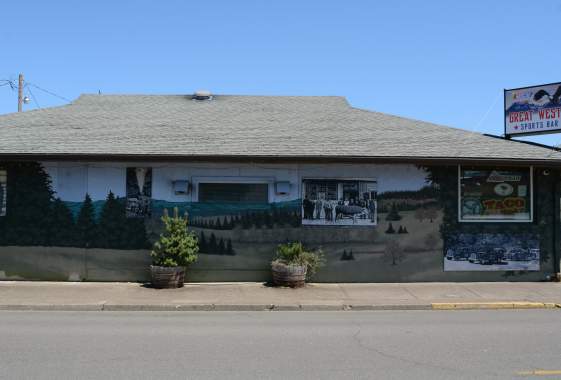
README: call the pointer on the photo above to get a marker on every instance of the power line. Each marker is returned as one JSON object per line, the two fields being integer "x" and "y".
{"x": 49, "y": 92}
{"x": 487, "y": 112}
{"x": 8, "y": 82}
{"x": 33, "y": 97}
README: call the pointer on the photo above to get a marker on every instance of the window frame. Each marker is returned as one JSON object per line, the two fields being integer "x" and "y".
{"x": 497, "y": 220}
{"x": 196, "y": 181}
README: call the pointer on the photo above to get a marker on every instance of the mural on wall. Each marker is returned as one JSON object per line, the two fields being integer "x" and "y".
{"x": 339, "y": 202}
{"x": 488, "y": 252}
{"x": 34, "y": 217}
{"x": 415, "y": 212}
{"x": 403, "y": 229}
{"x": 139, "y": 192}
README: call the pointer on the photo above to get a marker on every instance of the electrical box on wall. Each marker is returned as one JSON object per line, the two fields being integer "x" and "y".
{"x": 282, "y": 188}
{"x": 181, "y": 187}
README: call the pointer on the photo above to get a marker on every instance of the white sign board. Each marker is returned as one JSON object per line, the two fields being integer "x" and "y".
{"x": 533, "y": 110}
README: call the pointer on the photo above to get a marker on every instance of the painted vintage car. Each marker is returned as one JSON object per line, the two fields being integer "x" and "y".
{"x": 462, "y": 253}
{"x": 488, "y": 255}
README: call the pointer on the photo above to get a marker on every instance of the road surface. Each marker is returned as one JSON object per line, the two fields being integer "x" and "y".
{"x": 281, "y": 345}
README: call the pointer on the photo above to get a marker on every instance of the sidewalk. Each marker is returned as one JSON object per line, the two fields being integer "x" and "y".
{"x": 16, "y": 295}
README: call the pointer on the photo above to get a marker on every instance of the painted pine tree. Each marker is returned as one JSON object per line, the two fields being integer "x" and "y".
{"x": 28, "y": 219}
{"x": 63, "y": 233}
{"x": 85, "y": 224}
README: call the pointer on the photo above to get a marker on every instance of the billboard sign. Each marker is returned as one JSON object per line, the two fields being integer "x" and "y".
{"x": 533, "y": 110}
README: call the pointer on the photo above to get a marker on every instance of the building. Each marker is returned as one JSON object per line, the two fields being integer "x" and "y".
{"x": 82, "y": 187}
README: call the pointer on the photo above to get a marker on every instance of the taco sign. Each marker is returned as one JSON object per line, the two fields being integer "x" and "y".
{"x": 533, "y": 110}
{"x": 511, "y": 205}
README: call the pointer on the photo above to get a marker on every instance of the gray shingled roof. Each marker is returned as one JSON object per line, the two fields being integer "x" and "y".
{"x": 248, "y": 126}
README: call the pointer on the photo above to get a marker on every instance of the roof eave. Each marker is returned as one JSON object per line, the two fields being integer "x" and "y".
{"x": 419, "y": 160}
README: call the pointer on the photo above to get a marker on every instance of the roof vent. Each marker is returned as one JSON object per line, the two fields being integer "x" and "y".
{"x": 202, "y": 95}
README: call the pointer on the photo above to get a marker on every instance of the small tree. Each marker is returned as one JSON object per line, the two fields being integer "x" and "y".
{"x": 29, "y": 205}
{"x": 431, "y": 213}
{"x": 212, "y": 245}
{"x": 246, "y": 221}
{"x": 420, "y": 214}
{"x": 135, "y": 234}
{"x": 63, "y": 233}
{"x": 393, "y": 214}
{"x": 221, "y": 247}
{"x": 431, "y": 240}
{"x": 85, "y": 224}
{"x": 202, "y": 243}
{"x": 112, "y": 224}
{"x": 295, "y": 254}
{"x": 229, "y": 249}
{"x": 177, "y": 246}
{"x": 269, "y": 220}
{"x": 390, "y": 229}
{"x": 393, "y": 252}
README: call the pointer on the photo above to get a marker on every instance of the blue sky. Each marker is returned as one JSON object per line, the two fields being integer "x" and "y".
{"x": 441, "y": 61}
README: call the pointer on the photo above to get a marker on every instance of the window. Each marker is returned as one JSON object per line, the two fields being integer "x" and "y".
{"x": 234, "y": 192}
{"x": 3, "y": 191}
{"x": 339, "y": 202}
{"x": 502, "y": 194}
{"x": 139, "y": 192}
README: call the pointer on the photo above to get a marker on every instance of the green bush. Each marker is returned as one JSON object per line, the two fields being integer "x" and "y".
{"x": 177, "y": 246}
{"x": 295, "y": 254}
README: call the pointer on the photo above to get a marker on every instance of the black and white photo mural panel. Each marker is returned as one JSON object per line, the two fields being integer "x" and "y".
{"x": 139, "y": 192}
{"x": 339, "y": 202}
{"x": 492, "y": 252}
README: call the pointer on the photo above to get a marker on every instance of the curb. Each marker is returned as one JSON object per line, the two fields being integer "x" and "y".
{"x": 494, "y": 305}
{"x": 208, "y": 307}
{"x": 281, "y": 307}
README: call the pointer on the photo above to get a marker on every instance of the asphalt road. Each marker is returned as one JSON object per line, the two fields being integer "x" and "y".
{"x": 280, "y": 345}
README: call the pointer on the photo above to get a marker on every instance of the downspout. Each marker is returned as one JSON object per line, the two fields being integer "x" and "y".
{"x": 556, "y": 226}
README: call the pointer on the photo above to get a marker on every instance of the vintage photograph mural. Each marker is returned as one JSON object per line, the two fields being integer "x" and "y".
{"x": 139, "y": 192}
{"x": 396, "y": 223}
{"x": 339, "y": 202}
{"x": 493, "y": 252}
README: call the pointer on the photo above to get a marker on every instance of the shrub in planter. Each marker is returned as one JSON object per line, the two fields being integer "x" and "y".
{"x": 294, "y": 264}
{"x": 176, "y": 248}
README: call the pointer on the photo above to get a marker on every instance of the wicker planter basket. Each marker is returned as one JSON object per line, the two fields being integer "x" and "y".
{"x": 293, "y": 276}
{"x": 167, "y": 277}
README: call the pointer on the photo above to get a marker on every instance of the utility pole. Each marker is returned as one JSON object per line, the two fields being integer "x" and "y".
{"x": 20, "y": 92}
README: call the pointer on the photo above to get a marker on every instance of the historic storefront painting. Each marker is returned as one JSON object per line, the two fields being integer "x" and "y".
{"x": 492, "y": 252}
{"x": 139, "y": 192}
{"x": 397, "y": 223}
{"x": 339, "y": 202}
